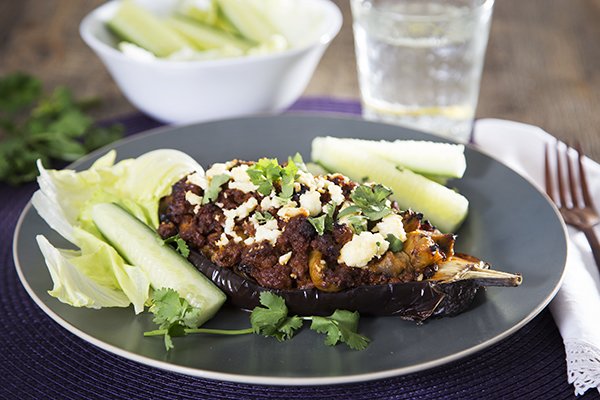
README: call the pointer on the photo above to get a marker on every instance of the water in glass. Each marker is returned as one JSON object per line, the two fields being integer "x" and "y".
{"x": 420, "y": 61}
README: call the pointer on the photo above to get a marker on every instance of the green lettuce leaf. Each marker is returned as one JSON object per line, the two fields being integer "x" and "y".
{"x": 95, "y": 275}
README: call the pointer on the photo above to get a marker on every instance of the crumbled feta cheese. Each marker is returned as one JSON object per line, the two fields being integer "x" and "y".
{"x": 336, "y": 193}
{"x": 223, "y": 240}
{"x": 290, "y": 210}
{"x": 198, "y": 179}
{"x": 193, "y": 198}
{"x": 321, "y": 183}
{"x": 362, "y": 248}
{"x": 246, "y": 208}
{"x": 270, "y": 201}
{"x": 312, "y": 202}
{"x": 241, "y": 179}
{"x": 283, "y": 260}
{"x": 307, "y": 179}
{"x": 391, "y": 224}
{"x": 218, "y": 169}
{"x": 240, "y": 212}
{"x": 269, "y": 231}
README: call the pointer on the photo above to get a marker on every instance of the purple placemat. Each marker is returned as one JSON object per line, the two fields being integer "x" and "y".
{"x": 40, "y": 360}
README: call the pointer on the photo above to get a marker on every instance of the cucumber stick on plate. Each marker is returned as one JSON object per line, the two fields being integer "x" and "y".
{"x": 165, "y": 268}
{"x": 391, "y": 165}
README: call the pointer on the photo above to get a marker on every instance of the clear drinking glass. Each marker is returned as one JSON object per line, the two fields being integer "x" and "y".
{"x": 420, "y": 61}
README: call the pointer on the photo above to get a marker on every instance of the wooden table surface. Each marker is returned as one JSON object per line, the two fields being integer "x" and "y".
{"x": 542, "y": 64}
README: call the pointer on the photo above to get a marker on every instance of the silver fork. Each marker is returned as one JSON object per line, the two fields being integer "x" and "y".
{"x": 575, "y": 202}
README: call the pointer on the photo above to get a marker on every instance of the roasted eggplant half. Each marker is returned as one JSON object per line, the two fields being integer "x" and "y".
{"x": 321, "y": 242}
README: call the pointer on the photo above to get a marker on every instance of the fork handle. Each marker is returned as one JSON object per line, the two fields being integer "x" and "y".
{"x": 592, "y": 238}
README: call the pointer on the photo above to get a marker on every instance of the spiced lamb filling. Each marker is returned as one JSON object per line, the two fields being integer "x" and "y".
{"x": 285, "y": 228}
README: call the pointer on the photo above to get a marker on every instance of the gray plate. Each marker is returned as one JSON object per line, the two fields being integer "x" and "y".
{"x": 511, "y": 225}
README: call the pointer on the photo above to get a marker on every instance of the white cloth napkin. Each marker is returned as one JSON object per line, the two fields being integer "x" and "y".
{"x": 576, "y": 307}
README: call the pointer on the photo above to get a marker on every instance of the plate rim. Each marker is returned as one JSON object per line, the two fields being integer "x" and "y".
{"x": 270, "y": 380}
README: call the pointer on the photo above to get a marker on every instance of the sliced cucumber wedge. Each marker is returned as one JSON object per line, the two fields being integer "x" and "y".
{"x": 208, "y": 13}
{"x": 134, "y": 24}
{"x": 245, "y": 17}
{"x": 424, "y": 157}
{"x": 445, "y": 208}
{"x": 204, "y": 36}
{"x": 165, "y": 268}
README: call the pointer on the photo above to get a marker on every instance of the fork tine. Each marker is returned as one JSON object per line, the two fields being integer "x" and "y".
{"x": 548, "y": 174}
{"x": 559, "y": 176}
{"x": 587, "y": 199}
{"x": 575, "y": 198}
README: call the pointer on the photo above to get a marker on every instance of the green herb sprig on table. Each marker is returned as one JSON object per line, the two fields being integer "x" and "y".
{"x": 176, "y": 317}
{"x": 52, "y": 128}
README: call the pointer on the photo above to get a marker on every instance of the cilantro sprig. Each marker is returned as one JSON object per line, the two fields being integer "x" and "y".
{"x": 324, "y": 222}
{"x": 172, "y": 314}
{"x": 371, "y": 201}
{"x": 341, "y": 326}
{"x": 180, "y": 244}
{"x": 267, "y": 173}
{"x": 272, "y": 319}
{"x": 214, "y": 188}
{"x": 176, "y": 317}
{"x": 52, "y": 128}
{"x": 395, "y": 243}
{"x": 370, "y": 204}
{"x": 264, "y": 173}
{"x": 262, "y": 218}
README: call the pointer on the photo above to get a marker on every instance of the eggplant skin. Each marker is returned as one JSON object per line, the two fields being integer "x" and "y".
{"x": 414, "y": 301}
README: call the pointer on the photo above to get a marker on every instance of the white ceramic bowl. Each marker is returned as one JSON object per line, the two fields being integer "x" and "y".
{"x": 191, "y": 91}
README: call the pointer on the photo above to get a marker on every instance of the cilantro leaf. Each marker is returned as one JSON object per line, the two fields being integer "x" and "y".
{"x": 341, "y": 326}
{"x": 18, "y": 90}
{"x": 318, "y": 223}
{"x": 176, "y": 317}
{"x": 272, "y": 319}
{"x": 214, "y": 188}
{"x": 264, "y": 173}
{"x": 96, "y": 137}
{"x": 267, "y": 172}
{"x": 51, "y": 128}
{"x": 181, "y": 245}
{"x": 263, "y": 217}
{"x": 287, "y": 327}
{"x": 288, "y": 175}
{"x": 372, "y": 200}
{"x": 266, "y": 319}
{"x": 353, "y": 216}
{"x": 324, "y": 222}
{"x": 358, "y": 223}
{"x": 347, "y": 211}
{"x": 395, "y": 243}
{"x": 172, "y": 314}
